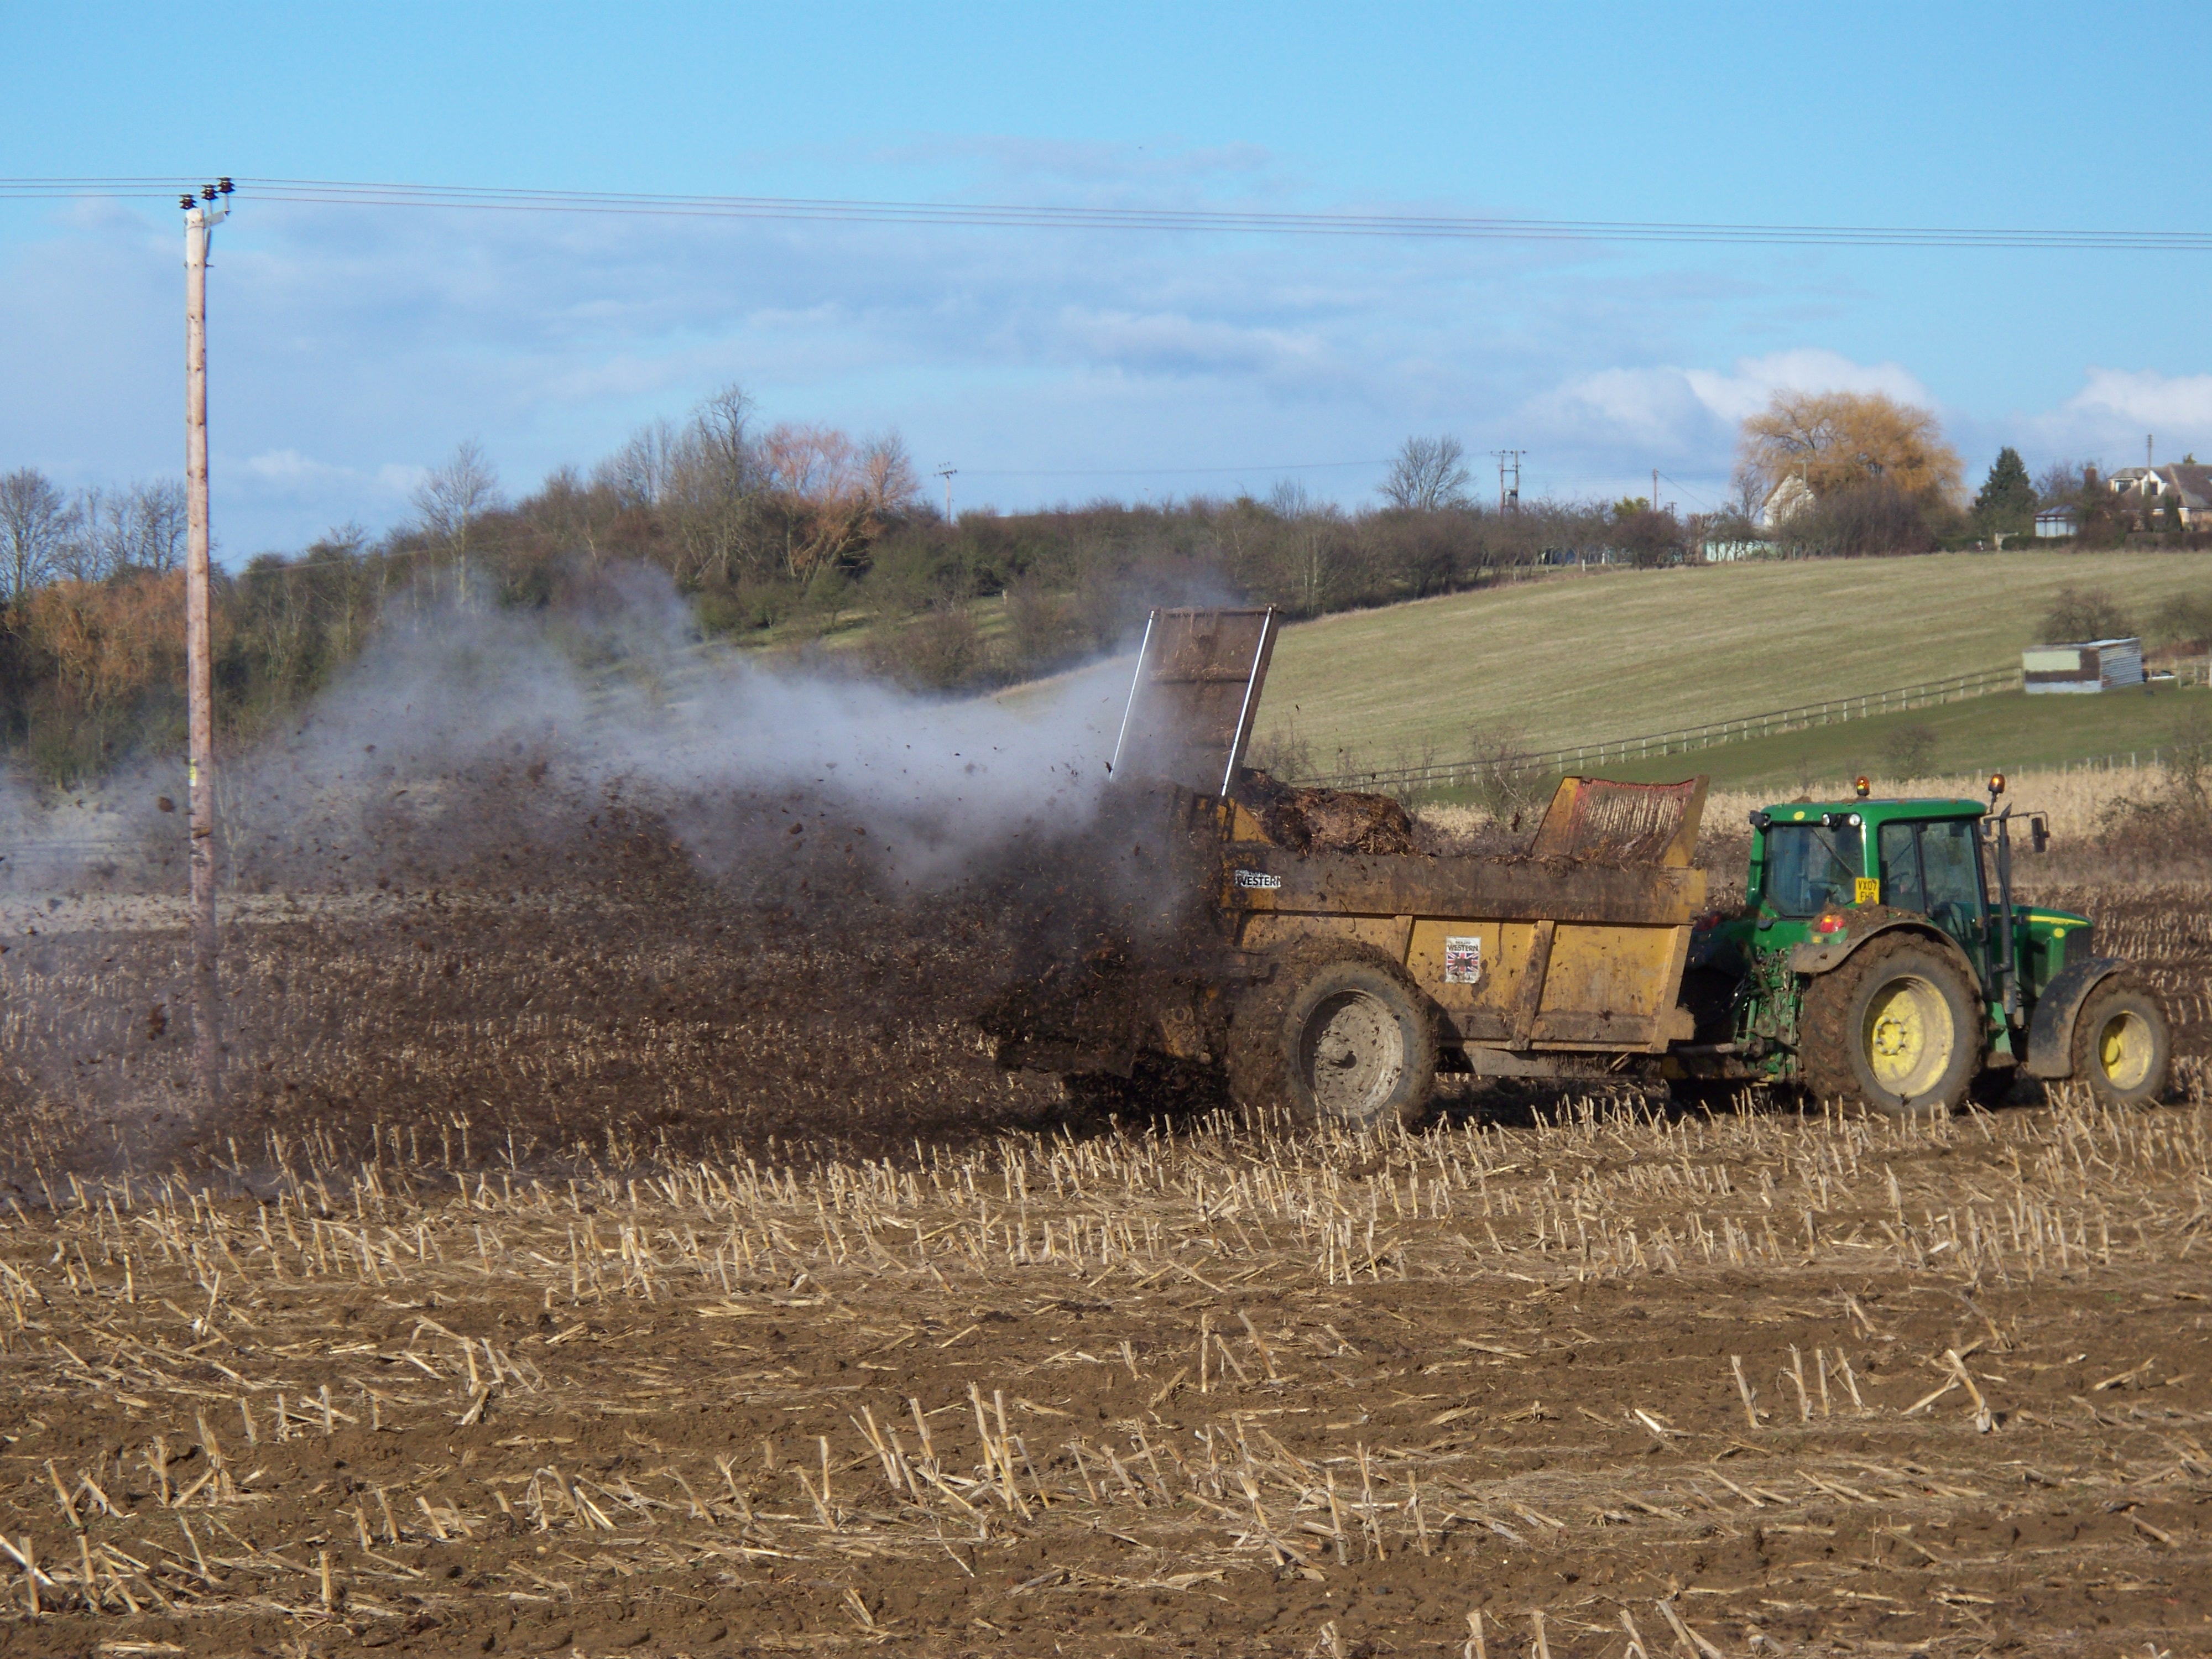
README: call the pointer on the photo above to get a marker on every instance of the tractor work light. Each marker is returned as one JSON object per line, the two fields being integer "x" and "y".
{"x": 1829, "y": 924}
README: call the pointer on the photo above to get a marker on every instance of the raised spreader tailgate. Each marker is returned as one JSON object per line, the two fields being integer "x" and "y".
{"x": 1196, "y": 690}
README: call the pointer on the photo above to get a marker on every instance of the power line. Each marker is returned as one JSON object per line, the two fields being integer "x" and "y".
{"x": 1039, "y": 216}
{"x": 1159, "y": 471}
{"x": 1686, "y": 490}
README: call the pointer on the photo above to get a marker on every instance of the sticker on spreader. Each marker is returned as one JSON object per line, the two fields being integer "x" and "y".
{"x": 1257, "y": 878}
{"x": 1462, "y": 961}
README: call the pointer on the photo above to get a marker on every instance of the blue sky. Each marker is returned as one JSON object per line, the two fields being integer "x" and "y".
{"x": 353, "y": 346}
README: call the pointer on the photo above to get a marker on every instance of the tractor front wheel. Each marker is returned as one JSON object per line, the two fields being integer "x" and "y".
{"x": 1894, "y": 1031}
{"x": 1350, "y": 1041}
{"x": 2121, "y": 1048}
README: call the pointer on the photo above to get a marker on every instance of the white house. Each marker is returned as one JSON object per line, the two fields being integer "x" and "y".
{"x": 1791, "y": 496}
{"x": 2183, "y": 493}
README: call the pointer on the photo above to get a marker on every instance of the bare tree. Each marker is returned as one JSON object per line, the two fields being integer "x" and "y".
{"x": 1310, "y": 534}
{"x": 721, "y": 435}
{"x": 454, "y": 497}
{"x": 1429, "y": 473}
{"x": 638, "y": 472}
{"x": 713, "y": 474}
{"x": 157, "y": 526}
{"x": 35, "y": 523}
{"x": 2059, "y": 483}
{"x": 1746, "y": 496}
{"x": 112, "y": 530}
{"x": 887, "y": 474}
{"x": 2080, "y": 614}
{"x": 81, "y": 554}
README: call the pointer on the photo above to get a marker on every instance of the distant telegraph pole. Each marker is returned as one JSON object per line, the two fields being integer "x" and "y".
{"x": 946, "y": 473}
{"x": 1509, "y": 501}
{"x": 201, "y": 217}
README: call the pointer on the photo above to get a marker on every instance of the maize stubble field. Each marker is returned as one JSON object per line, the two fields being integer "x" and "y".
{"x": 636, "y": 1269}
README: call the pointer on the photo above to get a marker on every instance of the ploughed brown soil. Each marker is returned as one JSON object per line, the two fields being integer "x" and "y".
{"x": 650, "y": 1269}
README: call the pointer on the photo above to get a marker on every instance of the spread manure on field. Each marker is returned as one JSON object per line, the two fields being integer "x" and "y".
{"x": 563, "y": 882}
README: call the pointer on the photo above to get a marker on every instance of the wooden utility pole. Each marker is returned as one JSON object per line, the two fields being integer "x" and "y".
{"x": 946, "y": 473}
{"x": 201, "y": 217}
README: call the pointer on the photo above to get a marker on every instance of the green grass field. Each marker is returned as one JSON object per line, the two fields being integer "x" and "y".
{"x": 2010, "y": 732}
{"x": 1620, "y": 653}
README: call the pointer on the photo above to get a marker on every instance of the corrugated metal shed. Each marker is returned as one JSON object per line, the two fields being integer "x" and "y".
{"x": 2092, "y": 666}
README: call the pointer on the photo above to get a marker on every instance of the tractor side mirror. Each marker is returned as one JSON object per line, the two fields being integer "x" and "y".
{"x": 2038, "y": 833}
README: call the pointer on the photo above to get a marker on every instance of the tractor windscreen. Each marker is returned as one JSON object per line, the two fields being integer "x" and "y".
{"x": 1810, "y": 866}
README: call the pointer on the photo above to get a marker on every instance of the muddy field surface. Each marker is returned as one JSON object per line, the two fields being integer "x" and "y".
{"x": 654, "y": 1270}
{"x": 1799, "y": 1384}
{"x": 640, "y": 1005}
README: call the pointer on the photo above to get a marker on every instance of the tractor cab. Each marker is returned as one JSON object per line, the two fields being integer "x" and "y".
{"x": 1822, "y": 872}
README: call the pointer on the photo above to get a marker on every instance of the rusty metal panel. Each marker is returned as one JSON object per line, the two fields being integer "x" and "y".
{"x": 1267, "y": 878}
{"x": 1194, "y": 697}
{"x": 1623, "y": 823}
{"x": 1281, "y": 932}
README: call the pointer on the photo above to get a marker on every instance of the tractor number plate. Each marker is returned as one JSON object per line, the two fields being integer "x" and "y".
{"x": 1257, "y": 878}
{"x": 1866, "y": 889}
{"x": 1462, "y": 961}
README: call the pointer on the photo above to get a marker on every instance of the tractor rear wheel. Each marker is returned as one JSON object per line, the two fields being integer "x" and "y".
{"x": 2121, "y": 1047}
{"x": 1350, "y": 1041}
{"x": 1895, "y": 1030}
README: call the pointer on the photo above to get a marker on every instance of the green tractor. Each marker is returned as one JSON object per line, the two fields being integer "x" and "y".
{"x": 1880, "y": 959}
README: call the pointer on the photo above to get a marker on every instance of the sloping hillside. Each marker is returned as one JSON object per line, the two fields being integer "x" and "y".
{"x": 1581, "y": 659}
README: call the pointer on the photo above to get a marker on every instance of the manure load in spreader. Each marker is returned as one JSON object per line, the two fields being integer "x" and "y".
{"x": 1296, "y": 945}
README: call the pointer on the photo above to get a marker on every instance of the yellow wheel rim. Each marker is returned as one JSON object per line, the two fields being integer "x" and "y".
{"x": 2123, "y": 1049}
{"x": 1908, "y": 1037}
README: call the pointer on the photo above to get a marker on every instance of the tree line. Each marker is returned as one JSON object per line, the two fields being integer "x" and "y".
{"x": 808, "y": 542}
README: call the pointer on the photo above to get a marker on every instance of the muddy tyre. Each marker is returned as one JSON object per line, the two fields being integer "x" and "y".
{"x": 2121, "y": 1047}
{"x": 1894, "y": 1030}
{"x": 1348, "y": 1041}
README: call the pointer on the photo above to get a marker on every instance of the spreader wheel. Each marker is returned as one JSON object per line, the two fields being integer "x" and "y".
{"x": 1351, "y": 1042}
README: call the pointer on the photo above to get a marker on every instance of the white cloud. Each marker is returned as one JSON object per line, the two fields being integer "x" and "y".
{"x": 2108, "y": 418}
{"x": 1652, "y": 407}
{"x": 1803, "y": 369}
{"x": 288, "y": 467}
{"x": 1174, "y": 344}
{"x": 1601, "y": 426}
{"x": 2146, "y": 397}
